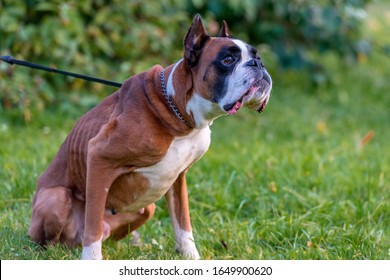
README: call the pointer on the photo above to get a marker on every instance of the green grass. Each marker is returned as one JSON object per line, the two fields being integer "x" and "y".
{"x": 295, "y": 182}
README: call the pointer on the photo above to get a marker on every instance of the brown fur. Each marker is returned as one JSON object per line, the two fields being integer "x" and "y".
{"x": 106, "y": 144}
{"x": 98, "y": 170}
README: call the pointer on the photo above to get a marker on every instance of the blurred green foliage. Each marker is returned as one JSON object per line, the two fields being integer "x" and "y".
{"x": 107, "y": 39}
{"x": 294, "y": 27}
{"x": 115, "y": 39}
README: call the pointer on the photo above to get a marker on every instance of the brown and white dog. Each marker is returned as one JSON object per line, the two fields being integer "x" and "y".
{"x": 138, "y": 143}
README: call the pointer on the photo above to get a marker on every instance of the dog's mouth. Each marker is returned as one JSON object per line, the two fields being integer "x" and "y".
{"x": 247, "y": 98}
{"x": 234, "y": 107}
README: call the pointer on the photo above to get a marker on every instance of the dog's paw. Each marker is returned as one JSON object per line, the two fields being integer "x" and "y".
{"x": 188, "y": 250}
{"x": 93, "y": 251}
{"x": 185, "y": 244}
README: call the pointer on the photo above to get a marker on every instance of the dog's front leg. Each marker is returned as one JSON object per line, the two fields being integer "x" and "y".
{"x": 177, "y": 199}
{"x": 100, "y": 177}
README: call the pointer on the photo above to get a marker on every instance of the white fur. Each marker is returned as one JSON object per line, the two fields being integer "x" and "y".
{"x": 185, "y": 243}
{"x": 93, "y": 251}
{"x": 236, "y": 86}
{"x": 244, "y": 50}
{"x": 203, "y": 110}
{"x": 170, "y": 88}
{"x": 181, "y": 154}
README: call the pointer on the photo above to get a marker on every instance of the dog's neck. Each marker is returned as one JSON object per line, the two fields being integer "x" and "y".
{"x": 168, "y": 99}
{"x": 197, "y": 111}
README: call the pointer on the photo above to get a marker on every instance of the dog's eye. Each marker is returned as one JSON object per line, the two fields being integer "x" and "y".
{"x": 228, "y": 59}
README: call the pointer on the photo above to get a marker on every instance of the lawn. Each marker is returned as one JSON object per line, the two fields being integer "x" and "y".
{"x": 307, "y": 179}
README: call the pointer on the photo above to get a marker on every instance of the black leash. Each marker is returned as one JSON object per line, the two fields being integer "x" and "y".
{"x": 11, "y": 60}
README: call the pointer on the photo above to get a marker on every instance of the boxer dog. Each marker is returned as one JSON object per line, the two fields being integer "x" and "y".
{"x": 137, "y": 145}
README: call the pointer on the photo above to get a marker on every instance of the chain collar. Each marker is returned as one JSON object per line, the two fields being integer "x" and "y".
{"x": 174, "y": 109}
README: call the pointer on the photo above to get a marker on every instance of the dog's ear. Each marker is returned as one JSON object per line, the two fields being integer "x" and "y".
{"x": 224, "y": 32}
{"x": 194, "y": 41}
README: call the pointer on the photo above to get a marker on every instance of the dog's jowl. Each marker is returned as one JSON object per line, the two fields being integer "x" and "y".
{"x": 137, "y": 145}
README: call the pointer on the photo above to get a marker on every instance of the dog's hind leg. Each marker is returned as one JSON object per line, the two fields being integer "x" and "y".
{"x": 52, "y": 217}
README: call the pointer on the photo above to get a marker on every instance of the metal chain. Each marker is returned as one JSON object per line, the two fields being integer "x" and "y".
{"x": 174, "y": 109}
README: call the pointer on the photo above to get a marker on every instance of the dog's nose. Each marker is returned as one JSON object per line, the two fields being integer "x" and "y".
{"x": 254, "y": 63}
{"x": 266, "y": 76}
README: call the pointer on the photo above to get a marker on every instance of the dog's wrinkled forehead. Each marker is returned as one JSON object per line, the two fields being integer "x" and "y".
{"x": 220, "y": 48}
{"x": 199, "y": 46}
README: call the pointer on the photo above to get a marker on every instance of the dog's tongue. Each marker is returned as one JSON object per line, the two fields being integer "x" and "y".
{"x": 235, "y": 108}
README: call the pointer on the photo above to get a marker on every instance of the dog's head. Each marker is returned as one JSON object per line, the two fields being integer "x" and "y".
{"x": 225, "y": 71}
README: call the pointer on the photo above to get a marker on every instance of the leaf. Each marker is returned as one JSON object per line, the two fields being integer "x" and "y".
{"x": 366, "y": 139}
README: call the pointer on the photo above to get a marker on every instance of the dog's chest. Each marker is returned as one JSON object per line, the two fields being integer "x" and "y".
{"x": 181, "y": 154}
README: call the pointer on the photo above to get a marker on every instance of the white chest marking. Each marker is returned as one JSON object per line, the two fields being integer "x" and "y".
{"x": 181, "y": 154}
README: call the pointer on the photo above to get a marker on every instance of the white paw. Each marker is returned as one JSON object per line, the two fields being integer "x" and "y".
{"x": 188, "y": 253}
{"x": 93, "y": 251}
{"x": 185, "y": 245}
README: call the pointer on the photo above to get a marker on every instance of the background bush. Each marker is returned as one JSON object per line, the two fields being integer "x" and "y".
{"x": 294, "y": 27}
{"x": 116, "y": 39}
{"x": 108, "y": 39}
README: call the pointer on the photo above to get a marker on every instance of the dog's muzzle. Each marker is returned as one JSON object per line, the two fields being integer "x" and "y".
{"x": 256, "y": 97}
